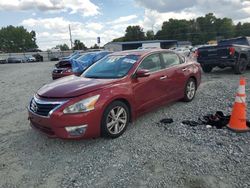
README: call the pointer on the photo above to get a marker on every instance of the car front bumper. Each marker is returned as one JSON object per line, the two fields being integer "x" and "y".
{"x": 218, "y": 62}
{"x": 55, "y": 126}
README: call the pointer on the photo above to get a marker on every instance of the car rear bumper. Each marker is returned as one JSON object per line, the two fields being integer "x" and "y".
{"x": 55, "y": 125}
{"x": 218, "y": 62}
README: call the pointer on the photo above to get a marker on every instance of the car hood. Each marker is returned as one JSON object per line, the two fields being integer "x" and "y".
{"x": 72, "y": 86}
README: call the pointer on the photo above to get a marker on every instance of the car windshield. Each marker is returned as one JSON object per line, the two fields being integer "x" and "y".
{"x": 86, "y": 57}
{"x": 113, "y": 66}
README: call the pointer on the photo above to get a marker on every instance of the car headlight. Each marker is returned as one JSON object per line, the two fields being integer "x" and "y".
{"x": 84, "y": 105}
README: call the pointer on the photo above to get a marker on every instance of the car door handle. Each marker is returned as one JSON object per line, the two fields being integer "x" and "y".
{"x": 185, "y": 69}
{"x": 163, "y": 77}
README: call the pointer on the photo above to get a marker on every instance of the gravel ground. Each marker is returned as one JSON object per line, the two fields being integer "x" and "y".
{"x": 147, "y": 155}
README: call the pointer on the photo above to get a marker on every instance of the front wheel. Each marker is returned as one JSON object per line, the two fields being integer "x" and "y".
{"x": 115, "y": 119}
{"x": 241, "y": 66}
{"x": 190, "y": 90}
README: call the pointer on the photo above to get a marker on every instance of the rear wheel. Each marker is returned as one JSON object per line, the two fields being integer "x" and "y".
{"x": 241, "y": 66}
{"x": 206, "y": 69}
{"x": 115, "y": 119}
{"x": 190, "y": 90}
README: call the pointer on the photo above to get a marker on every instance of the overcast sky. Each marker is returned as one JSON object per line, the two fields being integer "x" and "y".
{"x": 107, "y": 18}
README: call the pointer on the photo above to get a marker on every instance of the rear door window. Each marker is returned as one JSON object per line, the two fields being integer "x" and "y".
{"x": 151, "y": 63}
{"x": 170, "y": 60}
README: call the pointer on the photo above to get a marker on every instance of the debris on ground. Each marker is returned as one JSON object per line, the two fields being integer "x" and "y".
{"x": 218, "y": 120}
{"x": 191, "y": 123}
{"x": 167, "y": 121}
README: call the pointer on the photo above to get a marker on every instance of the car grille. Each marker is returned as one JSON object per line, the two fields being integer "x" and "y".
{"x": 41, "y": 108}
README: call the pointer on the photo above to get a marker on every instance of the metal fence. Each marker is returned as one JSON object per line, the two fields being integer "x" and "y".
{"x": 47, "y": 56}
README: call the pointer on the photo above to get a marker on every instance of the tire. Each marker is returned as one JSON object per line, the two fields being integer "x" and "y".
{"x": 241, "y": 66}
{"x": 113, "y": 131}
{"x": 206, "y": 69}
{"x": 190, "y": 90}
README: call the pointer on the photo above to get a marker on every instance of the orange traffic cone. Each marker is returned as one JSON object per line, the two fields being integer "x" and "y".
{"x": 237, "y": 121}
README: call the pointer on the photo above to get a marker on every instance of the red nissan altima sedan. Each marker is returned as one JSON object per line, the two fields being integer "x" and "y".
{"x": 112, "y": 93}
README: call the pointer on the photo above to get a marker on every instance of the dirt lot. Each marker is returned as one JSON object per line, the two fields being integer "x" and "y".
{"x": 147, "y": 155}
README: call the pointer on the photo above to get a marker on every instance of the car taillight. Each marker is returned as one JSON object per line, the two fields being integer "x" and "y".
{"x": 231, "y": 51}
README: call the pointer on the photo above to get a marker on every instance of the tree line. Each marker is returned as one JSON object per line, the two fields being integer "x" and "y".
{"x": 77, "y": 45}
{"x": 17, "y": 39}
{"x": 198, "y": 31}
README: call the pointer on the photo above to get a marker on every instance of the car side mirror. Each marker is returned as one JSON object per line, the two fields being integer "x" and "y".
{"x": 142, "y": 73}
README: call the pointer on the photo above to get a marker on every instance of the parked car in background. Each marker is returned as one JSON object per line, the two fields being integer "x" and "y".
{"x": 64, "y": 67}
{"x": 15, "y": 60}
{"x": 113, "y": 92}
{"x": 39, "y": 58}
{"x": 77, "y": 65}
{"x": 30, "y": 58}
{"x": 182, "y": 50}
{"x": 2, "y": 61}
{"x": 80, "y": 64}
{"x": 233, "y": 53}
{"x": 54, "y": 54}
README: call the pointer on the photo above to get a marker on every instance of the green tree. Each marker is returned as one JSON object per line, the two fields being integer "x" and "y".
{"x": 63, "y": 47}
{"x": 207, "y": 27}
{"x": 242, "y": 29}
{"x": 238, "y": 28}
{"x": 134, "y": 33}
{"x": 150, "y": 35}
{"x": 224, "y": 28}
{"x": 16, "y": 39}
{"x": 78, "y": 45}
{"x": 174, "y": 30}
{"x": 198, "y": 31}
{"x": 94, "y": 47}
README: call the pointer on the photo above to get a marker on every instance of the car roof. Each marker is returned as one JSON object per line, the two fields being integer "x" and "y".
{"x": 139, "y": 52}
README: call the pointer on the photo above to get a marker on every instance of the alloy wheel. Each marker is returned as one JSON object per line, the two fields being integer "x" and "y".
{"x": 191, "y": 89}
{"x": 116, "y": 120}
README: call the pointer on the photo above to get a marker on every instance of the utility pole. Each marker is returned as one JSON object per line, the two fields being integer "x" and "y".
{"x": 153, "y": 25}
{"x": 71, "y": 43}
